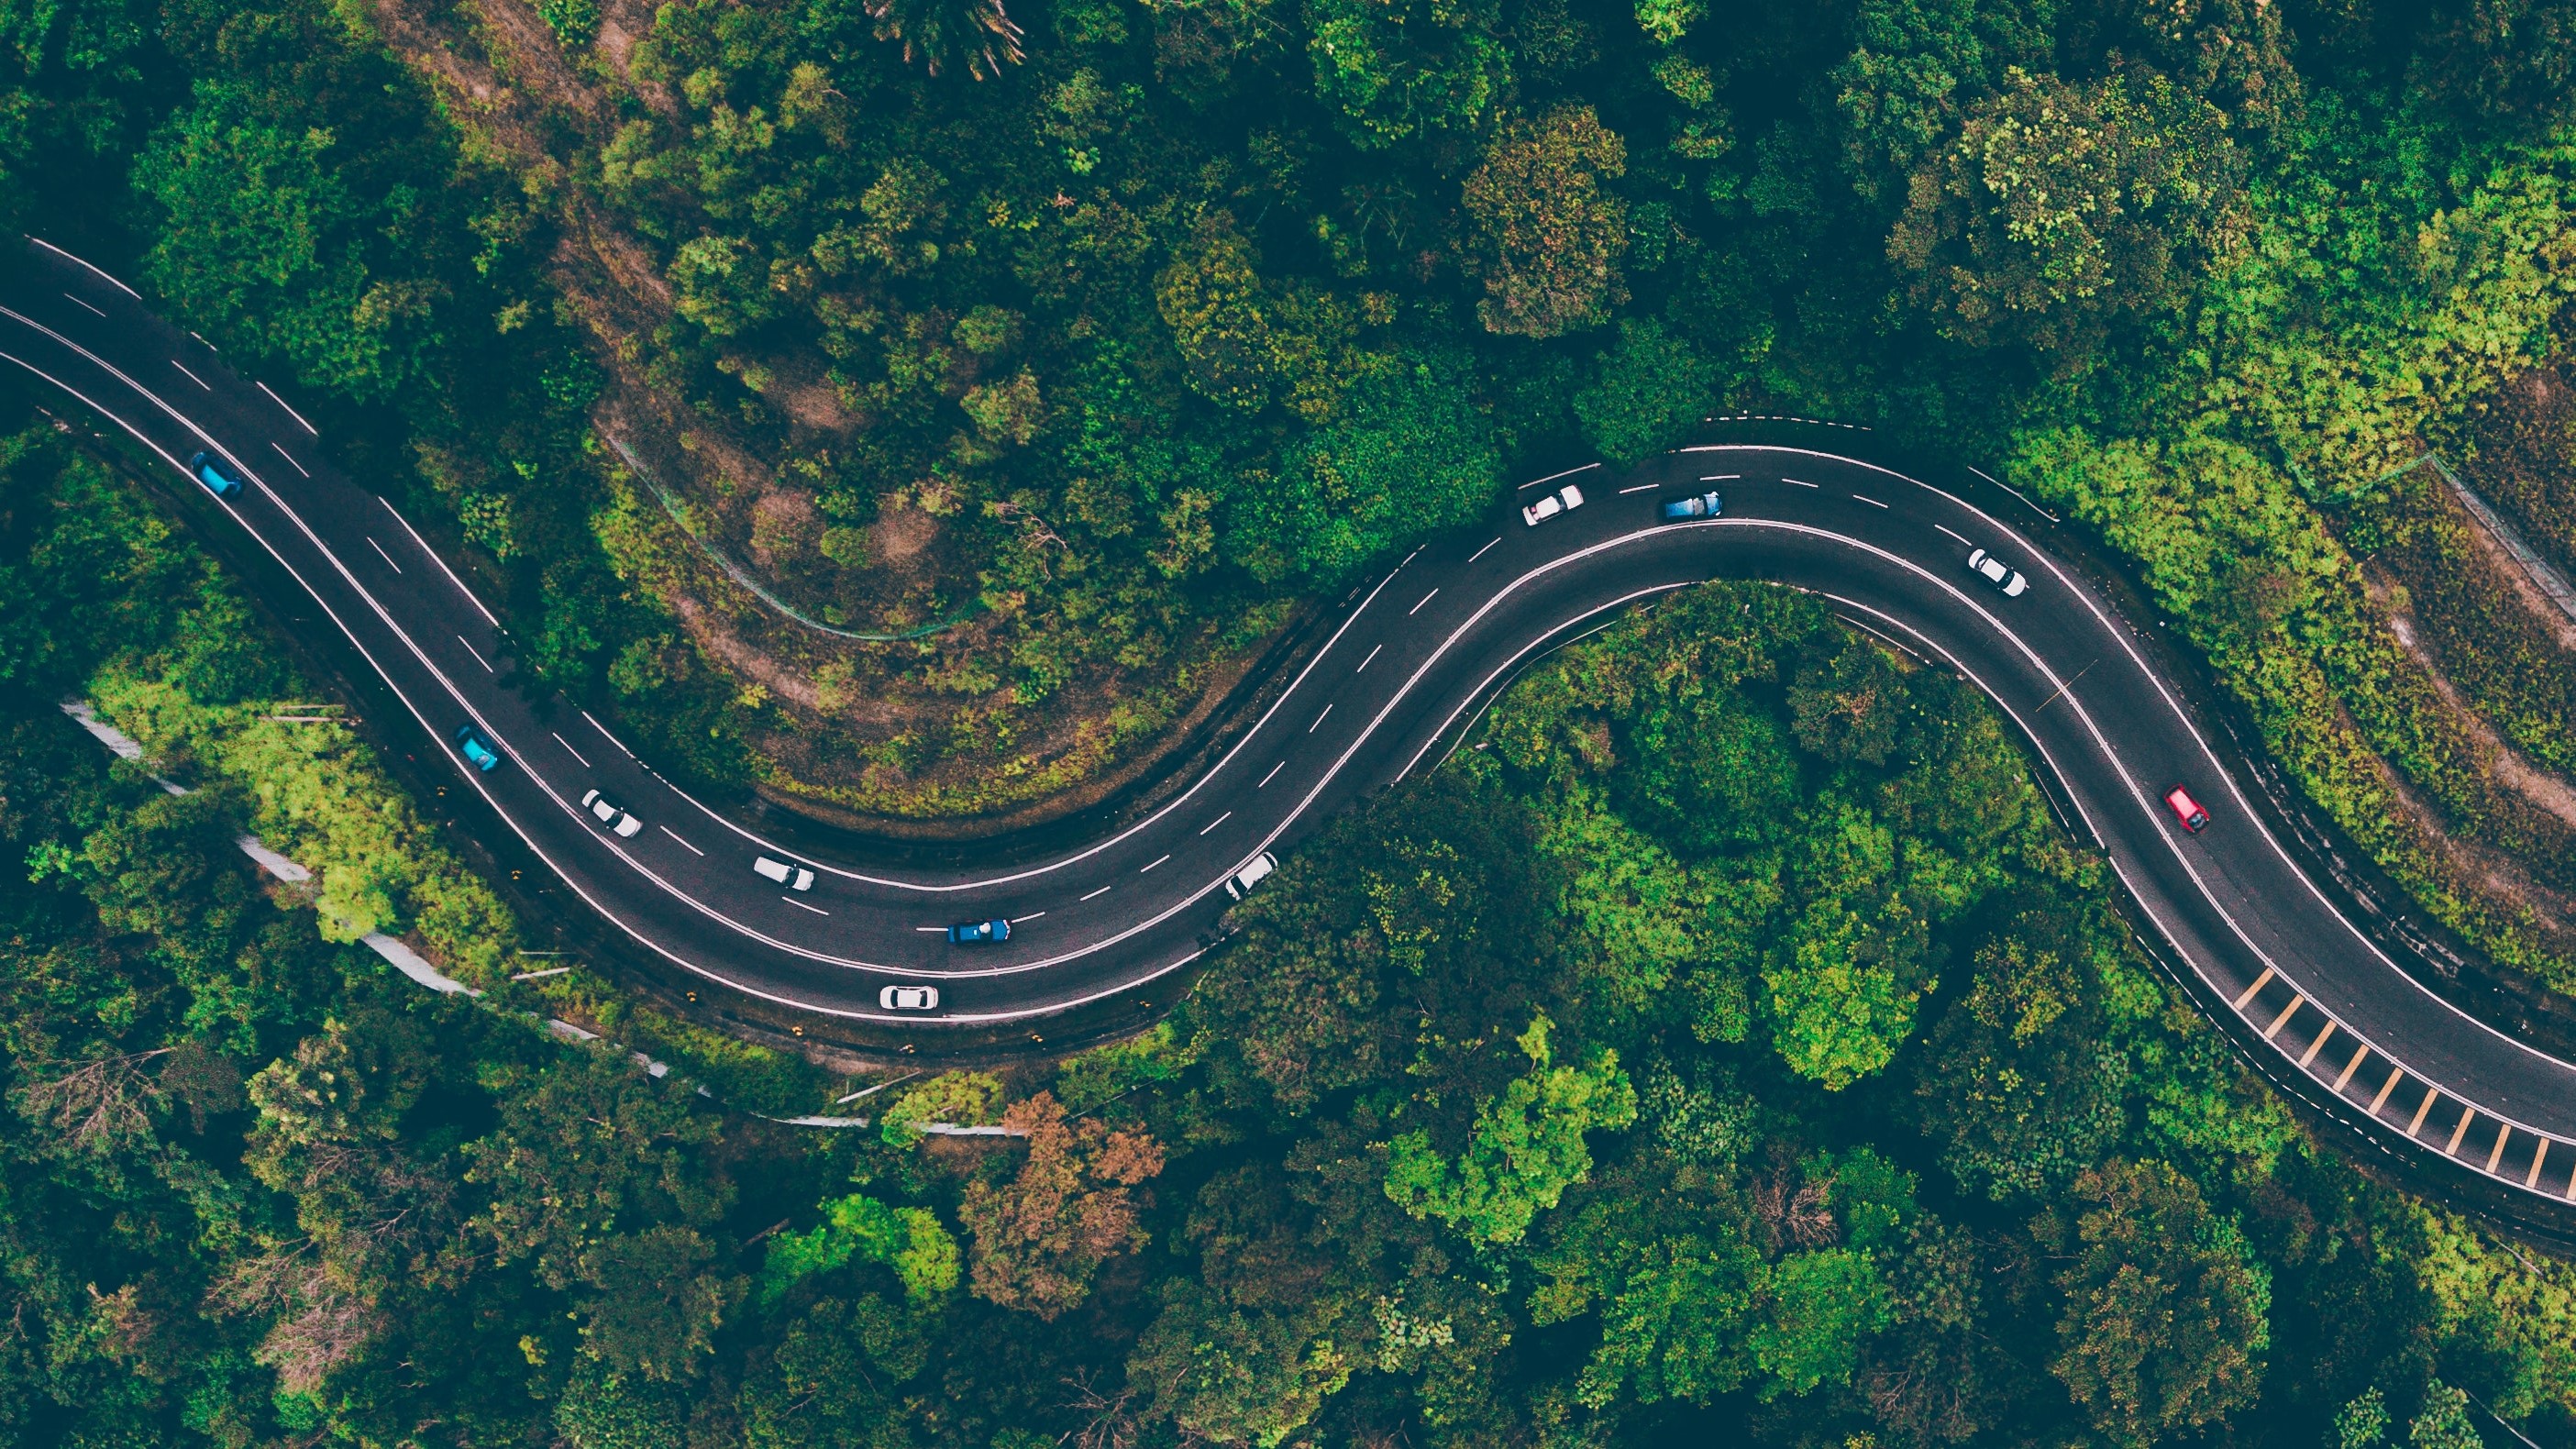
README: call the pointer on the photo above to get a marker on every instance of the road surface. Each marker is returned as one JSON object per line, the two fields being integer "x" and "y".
{"x": 1405, "y": 664}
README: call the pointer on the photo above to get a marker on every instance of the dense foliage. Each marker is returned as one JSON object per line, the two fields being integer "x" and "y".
{"x": 1729, "y": 1046}
{"x": 1092, "y": 336}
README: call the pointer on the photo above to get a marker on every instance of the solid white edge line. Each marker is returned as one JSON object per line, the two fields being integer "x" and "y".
{"x": 1087, "y": 853}
{"x": 101, "y": 275}
{"x": 481, "y": 786}
{"x": 290, "y": 411}
{"x": 2208, "y": 751}
{"x": 605, "y": 735}
{"x": 488, "y": 616}
{"x": 1552, "y": 477}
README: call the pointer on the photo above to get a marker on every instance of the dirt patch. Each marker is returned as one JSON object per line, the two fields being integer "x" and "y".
{"x": 2498, "y": 757}
{"x": 784, "y": 525}
{"x": 2541, "y": 607}
{"x": 901, "y": 533}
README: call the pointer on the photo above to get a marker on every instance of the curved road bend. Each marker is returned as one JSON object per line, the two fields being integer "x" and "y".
{"x": 1410, "y": 657}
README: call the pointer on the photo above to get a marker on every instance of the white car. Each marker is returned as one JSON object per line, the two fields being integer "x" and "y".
{"x": 1993, "y": 571}
{"x": 794, "y": 877}
{"x": 1254, "y": 872}
{"x": 597, "y": 804}
{"x": 1563, "y": 500}
{"x": 909, "y": 998}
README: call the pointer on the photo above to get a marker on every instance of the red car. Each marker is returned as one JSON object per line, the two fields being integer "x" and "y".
{"x": 2186, "y": 809}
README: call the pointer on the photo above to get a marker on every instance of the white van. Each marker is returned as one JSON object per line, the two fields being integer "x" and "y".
{"x": 1252, "y": 874}
{"x": 779, "y": 871}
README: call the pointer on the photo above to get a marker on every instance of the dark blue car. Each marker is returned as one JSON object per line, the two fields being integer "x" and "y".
{"x": 1703, "y": 505}
{"x": 477, "y": 750}
{"x": 216, "y": 474}
{"x": 977, "y": 933}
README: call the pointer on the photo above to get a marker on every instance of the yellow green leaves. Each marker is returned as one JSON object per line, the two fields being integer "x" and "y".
{"x": 1526, "y": 1149}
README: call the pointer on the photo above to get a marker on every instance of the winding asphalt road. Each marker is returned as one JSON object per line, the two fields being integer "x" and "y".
{"x": 1407, "y": 661}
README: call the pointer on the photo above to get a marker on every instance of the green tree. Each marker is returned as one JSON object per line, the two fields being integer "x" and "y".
{"x": 1411, "y": 454}
{"x": 1649, "y": 390}
{"x": 1399, "y": 71}
{"x": 2167, "y": 1313}
{"x": 1526, "y": 1148}
{"x": 835, "y": 1380}
{"x": 1917, "y": 67}
{"x": 1235, "y": 1376}
{"x": 1548, "y": 235}
{"x": 2062, "y": 209}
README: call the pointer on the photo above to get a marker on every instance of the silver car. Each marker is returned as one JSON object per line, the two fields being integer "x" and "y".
{"x": 909, "y": 998}
{"x": 1563, "y": 500}
{"x": 1992, "y": 569}
{"x": 597, "y": 804}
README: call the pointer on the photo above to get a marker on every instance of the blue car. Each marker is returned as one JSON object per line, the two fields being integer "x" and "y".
{"x": 1705, "y": 505}
{"x": 977, "y": 933}
{"x": 216, "y": 474}
{"x": 477, "y": 750}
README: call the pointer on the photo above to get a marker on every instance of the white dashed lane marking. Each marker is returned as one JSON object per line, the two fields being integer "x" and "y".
{"x": 800, "y": 905}
{"x": 1104, "y": 890}
{"x": 380, "y": 553}
{"x": 289, "y": 457}
{"x": 1158, "y": 860}
{"x": 1213, "y": 824}
{"x": 567, "y": 744}
{"x": 1872, "y": 502}
{"x": 675, "y": 835}
{"x": 192, "y": 377}
{"x": 1959, "y": 536}
{"x": 1364, "y": 664}
{"x": 77, "y": 302}
{"x": 1319, "y": 720}
{"x": 1417, "y": 608}
{"x": 1275, "y": 769}
{"x": 487, "y": 667}
{"x": 1480, "y": 553}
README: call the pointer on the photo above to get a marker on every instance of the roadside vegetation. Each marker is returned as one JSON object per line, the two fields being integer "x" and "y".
{"x": 1727, "y": 1046}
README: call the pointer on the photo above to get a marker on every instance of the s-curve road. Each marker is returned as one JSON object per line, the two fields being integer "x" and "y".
{"x": 1409, "y": 659}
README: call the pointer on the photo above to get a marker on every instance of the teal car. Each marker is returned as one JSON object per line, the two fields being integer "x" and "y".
{"x": 477, "y": 750}
{"x": 1701, "y": 505}
{"x": 215, "y": 473}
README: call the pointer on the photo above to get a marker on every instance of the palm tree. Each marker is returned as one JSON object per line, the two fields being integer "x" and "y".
{"x": 935, "y": 32}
